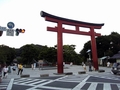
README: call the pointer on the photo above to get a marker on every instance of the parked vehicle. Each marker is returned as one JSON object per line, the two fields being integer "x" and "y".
{"x": 116, "y": 70}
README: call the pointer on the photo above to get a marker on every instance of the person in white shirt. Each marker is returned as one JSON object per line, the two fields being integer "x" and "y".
{"x": 5, "y": 71}
{"x": 108, "y": 64}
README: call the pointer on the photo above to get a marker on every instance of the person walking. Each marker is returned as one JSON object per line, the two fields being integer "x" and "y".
{"x": 90, "y": 66}
{"x": 114, "y": 66}
{"x": 14, "y": 68}
{"x": 5, "y": 71}
{"x": 40, "y": 64}
{"x": 71, "y": 63}
{"x": 34, "y": 64}
{"x": 108, "y": 64}
{"x": 82, "y": 63}
{"x": 84, "y": 66}
{"x": 0, "y": 73}
{"x": 20, "y": 69}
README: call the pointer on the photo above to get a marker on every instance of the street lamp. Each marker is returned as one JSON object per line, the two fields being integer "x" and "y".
{"x": 88, "y": 51}
{"x": 89, "y": 60}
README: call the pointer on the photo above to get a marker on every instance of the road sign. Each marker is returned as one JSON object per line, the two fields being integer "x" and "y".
{"x": 10, "y": 32}
{"x": 2, "y": 28}
{"x": 10, "y": 25}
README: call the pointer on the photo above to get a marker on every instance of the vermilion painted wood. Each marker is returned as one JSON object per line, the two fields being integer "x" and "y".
{"x": 59, "y": 29}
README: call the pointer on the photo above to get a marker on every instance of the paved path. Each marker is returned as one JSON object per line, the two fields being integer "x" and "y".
{"x": 72, "y": 82}
{"x": 89, "y": 81}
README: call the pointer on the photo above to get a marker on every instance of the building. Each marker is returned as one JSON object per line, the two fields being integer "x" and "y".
{"x": 116, "y": 57}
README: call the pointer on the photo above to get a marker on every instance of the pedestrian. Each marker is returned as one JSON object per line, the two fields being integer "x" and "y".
{"x": 108, "y": 64}
{"x": 34, "y": 63}
{"x": 20, "y": 69}
{"x": 84, "y": 67}
{"x": 114, "y": 66}
{"x": 0, "y": 73}
{"x": 82, "y": 63}
{"x": 63, "y": 64}
{"x": 90, "y": 66}
{"x": 40, "y": 64}
{"x": 32, "y": 66}
{"x": 14, "y": 68}
{"x": 71, "y": 63}
{"x": 9, "y": 69}
{"x": 5, "y": 71}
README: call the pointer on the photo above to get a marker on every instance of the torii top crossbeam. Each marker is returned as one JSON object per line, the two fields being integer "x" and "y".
{"x": 59, "y": 29}
{"x": 71, "y": 22}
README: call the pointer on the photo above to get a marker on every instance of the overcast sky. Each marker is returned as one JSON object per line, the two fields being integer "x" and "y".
{"x": 26, "y": 14}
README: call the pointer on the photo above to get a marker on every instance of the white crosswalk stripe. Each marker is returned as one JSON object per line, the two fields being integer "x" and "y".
{"x": 107, "y": 86}
{"x": 76, "y": 78}
{"x": 28, "y": 81}
{"x": 93, "y": 86}
{"x": 85, "y": 85}
{"x": 37, "y": 82}
{"x": 3, "y": 86}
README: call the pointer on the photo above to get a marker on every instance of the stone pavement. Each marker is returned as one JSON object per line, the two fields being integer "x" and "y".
{"x": 13, "y": 78}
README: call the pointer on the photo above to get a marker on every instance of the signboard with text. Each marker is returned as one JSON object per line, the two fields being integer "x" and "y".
{"x": 2, "y": 28}
{"x": 10, "y": 32}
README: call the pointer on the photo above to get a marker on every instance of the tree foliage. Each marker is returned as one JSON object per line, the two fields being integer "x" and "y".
{"x": 28, "y": 53}
{"x": 106, "y": 45}
{"x": 48, "y": 53}
{"x": 70, "y": 55}
{"x": 7, "y": 54}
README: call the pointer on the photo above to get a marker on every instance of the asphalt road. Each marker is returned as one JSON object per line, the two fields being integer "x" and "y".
{"x": 69, "y": 82}
{"x": 90, "y": 81}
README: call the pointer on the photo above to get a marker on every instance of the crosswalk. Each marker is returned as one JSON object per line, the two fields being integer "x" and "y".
{"x": 43, "y": 84}
{"x": 98, "y": 83}
{"x": 87, "y": 82}
{"x": 4, "y": 84}
{"x": 96, "y": 86}
{"x": 29, "y": 81}
{"x": 70, "y": 82}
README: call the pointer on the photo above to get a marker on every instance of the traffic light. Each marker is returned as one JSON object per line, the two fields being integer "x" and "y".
{"x": 22, "y": 30}
{"x": 19, "y": 31}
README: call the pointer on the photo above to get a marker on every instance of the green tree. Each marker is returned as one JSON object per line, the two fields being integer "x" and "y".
{"x": 70, "y": 55}
{"x": 7, "y": 54}
{"x": 48, "y": 53}
{"x": 107, "y": 45}
{"x": 28, "y": 52}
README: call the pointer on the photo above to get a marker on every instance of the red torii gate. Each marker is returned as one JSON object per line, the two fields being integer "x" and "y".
{"x": 77, "y": 24}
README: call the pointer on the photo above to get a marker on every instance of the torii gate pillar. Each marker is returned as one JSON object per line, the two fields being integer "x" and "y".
{"x": 59, "y": 29}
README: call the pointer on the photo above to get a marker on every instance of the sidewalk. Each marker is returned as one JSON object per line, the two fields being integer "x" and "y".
{"x": 51, "y": 70}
